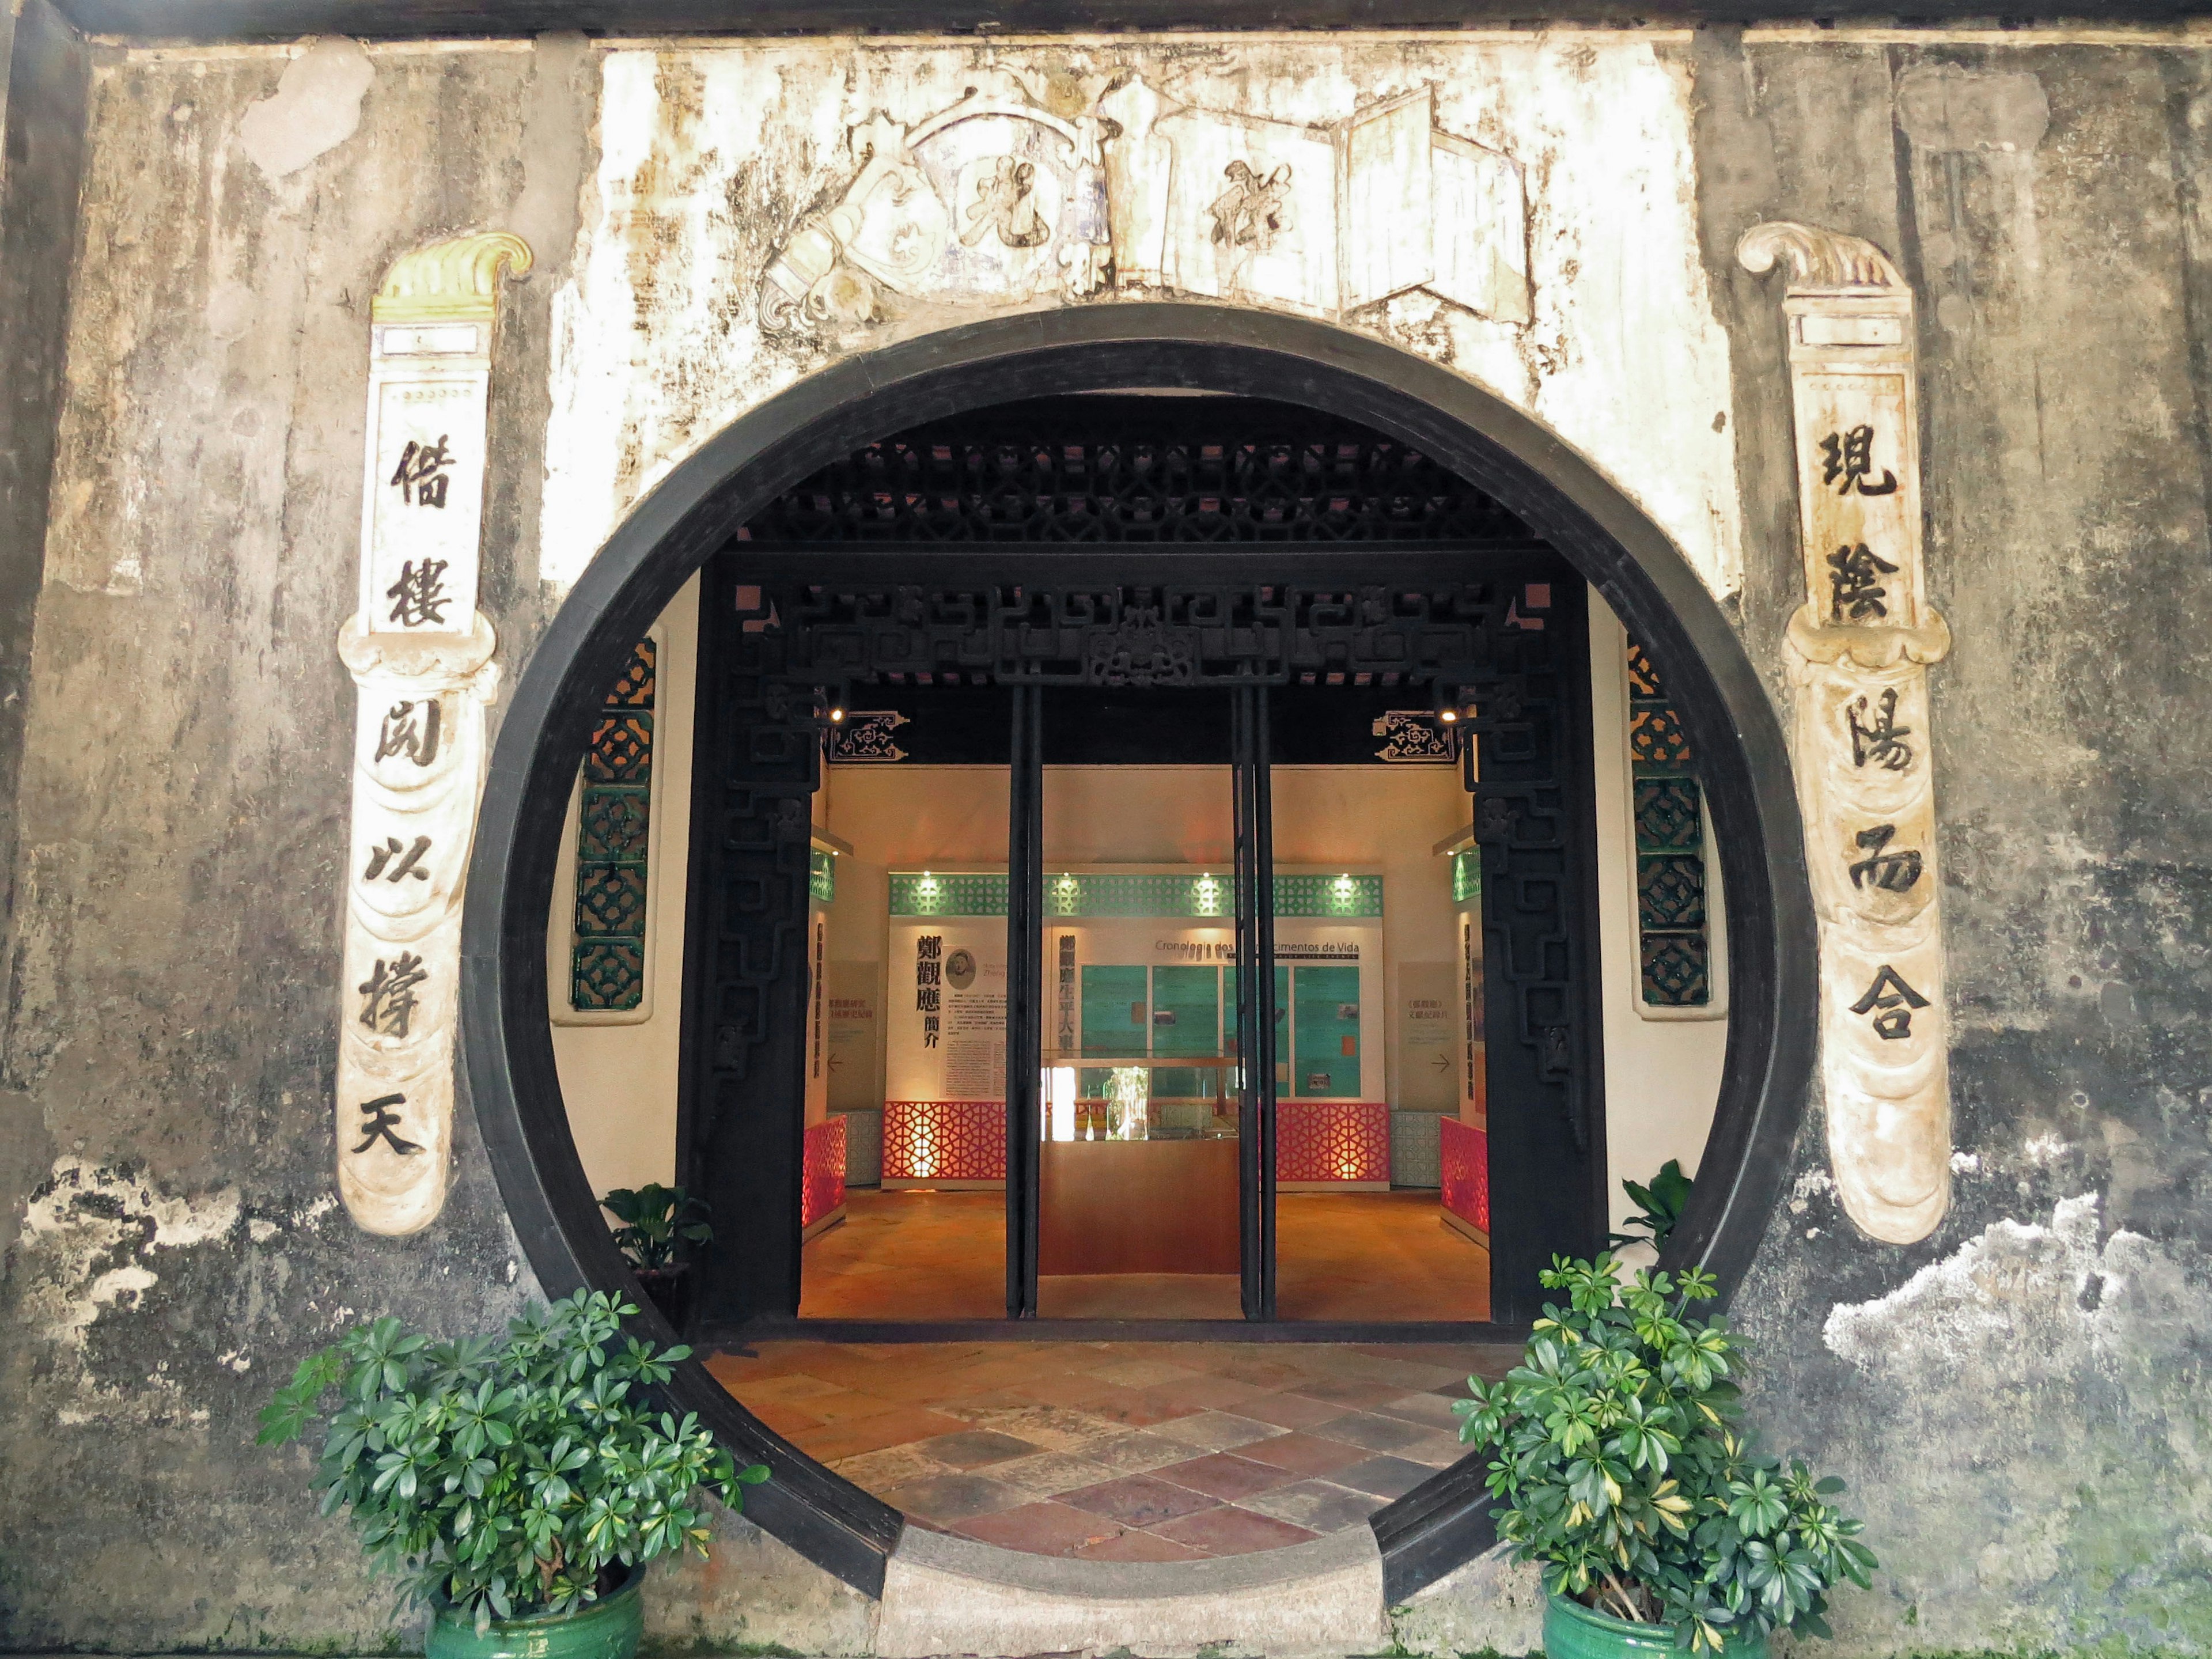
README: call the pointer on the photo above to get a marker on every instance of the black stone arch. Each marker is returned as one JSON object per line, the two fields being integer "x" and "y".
{"x": 1152, "y": 344}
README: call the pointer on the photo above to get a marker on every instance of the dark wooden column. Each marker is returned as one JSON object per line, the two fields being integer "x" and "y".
{"x": 1255, "y": 998}
{"x": 1024, "y": 995}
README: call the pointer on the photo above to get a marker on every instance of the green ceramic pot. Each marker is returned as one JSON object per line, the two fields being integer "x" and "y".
{"x": 1572, "y": 1631}
{"x": 607, "y": 1629}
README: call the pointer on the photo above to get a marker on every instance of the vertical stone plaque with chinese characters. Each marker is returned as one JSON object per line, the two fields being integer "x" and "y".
{"x": 421, "y": 655}
{"x": 1859, "y": 651}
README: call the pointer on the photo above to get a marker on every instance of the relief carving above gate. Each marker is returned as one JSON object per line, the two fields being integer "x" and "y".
{"x": 1859, "y": 651}
{"x": 998, "y": 200}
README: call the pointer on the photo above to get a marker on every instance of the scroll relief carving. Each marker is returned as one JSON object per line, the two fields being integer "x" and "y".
{"x": 1859, "y": 652}
{"x": 421, "y": 655}
{"x": 998, "y": 201}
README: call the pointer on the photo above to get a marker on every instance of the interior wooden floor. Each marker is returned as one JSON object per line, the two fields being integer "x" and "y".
{"x": 1119, "y": 1451}
{"x": 932, "y": 1255}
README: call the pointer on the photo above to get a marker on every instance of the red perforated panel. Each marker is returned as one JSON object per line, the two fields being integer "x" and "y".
{"x": 1465, "y": 1156}
{"x": 1331, "y": 1141}
{"x": 944, "y": 1141}
{"x": 824, "y": 1187}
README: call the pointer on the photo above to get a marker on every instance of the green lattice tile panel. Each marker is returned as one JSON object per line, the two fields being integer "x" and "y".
{"x": 1112, "y": 893}
{"x": 613, "y": 839}
{"x": 1675, "y": 949}
{"x": 928, "y": 893}
{"x": 1466, "y": 877}
{"x": 822, "y": 875}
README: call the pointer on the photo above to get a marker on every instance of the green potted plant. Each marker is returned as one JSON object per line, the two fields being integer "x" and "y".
{"x": 659, "y": 1225}
{"x": 1659, "y": 1206}
{"x": 518, "y": 1484}
{"x": 1625, "y": 1471}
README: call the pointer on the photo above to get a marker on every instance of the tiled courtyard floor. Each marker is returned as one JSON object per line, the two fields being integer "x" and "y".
{"x": 1119, "y": 1451}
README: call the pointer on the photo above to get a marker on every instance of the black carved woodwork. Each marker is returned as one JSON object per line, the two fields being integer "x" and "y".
{"x": 741, "y": 1129}
{"x": 1119, "y": 470}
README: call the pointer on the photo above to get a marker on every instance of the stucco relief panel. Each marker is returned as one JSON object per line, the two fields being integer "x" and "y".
{"x": 1521, "y": 212}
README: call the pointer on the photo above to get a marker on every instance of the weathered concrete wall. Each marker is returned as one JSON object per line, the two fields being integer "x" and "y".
{"x": 2019, "y": 1400}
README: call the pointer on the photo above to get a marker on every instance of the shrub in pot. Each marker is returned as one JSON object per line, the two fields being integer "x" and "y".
{"x": 518, "y": 1484}
{"x": 1625, "y": 1472}
{"x": 660, "y": 1224}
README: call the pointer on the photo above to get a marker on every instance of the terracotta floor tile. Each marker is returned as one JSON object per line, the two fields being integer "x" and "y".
{"x": 950, "y": 1500}
{"x": 1140, "y": 1500}
{"x": 1232, "y": 1532}
{"x": 1143, "y": 1373}
{"x": 1381, "y": 1434}
{"x": 1139, "y": 1453}
{"x": 1305, "y": 1453}
{"x": 1047, "y": 1474}
{"x": 1291, "y": 1411}
{"x": 892, "y": 1465}
{"x": 1041, "y": 1528}
{"x": 1139, "y": 1408}
{"x": 1206, "y": 1392}
{"x": 1215, "y": 1430}
{"x": 1076, "y": 1389}
{"x": 1054, "y": 1428}
{"x": 1226, "y": 1476}
{"x": 1133, "y": 1546}
{"x": 1269, "y": 1374}
{"x": 865, "y": 1434}
{"x": 973, "y": 1447}
{"x": 1431, "y": 1411}
{"x": 1349, "y": 1392}
{"x": 1320, "y": 1506}
{"x": 1439, "y": 1450}
{"x": 1385, "y": 1477}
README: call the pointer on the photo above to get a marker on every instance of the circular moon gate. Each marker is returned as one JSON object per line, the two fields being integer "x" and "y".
{"x": 1152, "y": 345}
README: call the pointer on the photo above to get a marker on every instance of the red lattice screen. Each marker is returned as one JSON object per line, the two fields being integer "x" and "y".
{"x": 1465, "y": 1156}
{"x": 1333, "y": 1140}
{"x": 822, "y": 1190}
{"x": 944, "y": 1141}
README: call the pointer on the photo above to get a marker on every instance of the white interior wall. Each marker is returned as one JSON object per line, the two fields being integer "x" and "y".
{"x": 618, "y": 1072}
{"x": 1662, "y": 1067}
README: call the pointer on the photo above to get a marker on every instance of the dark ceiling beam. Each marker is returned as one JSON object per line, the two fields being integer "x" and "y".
{"x": 286, "y": 20}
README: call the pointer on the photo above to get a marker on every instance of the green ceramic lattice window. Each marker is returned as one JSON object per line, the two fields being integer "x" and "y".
{"x": 1672, "y": 923}
{"x": 607, "y": 962}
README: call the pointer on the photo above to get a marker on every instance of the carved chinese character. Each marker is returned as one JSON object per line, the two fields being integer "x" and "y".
{"x": 1855, "y": 594}
{"x": 421, "y": 478}
{"x": 1847, "y": 462}
{"x": 401, "y": 733}
{"x": 404, "y": 862}
{"x": 1891, "y": 1001}
{"x": 1893, "y": 872}
{"x": 419, "y": 597}
{"x": 1003, "y": 202}
{"x": 383, "y": 1124}
{"x": 1880, "y": 740}
{"x": 388, "y": 1003}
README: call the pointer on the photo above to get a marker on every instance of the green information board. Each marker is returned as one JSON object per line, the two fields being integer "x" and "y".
{"x": 1116, "y": 1016}
{"x": 1326, "y": 1062}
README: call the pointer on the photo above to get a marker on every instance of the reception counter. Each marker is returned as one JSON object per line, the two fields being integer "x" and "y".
{"x": 1137, "y": 1206}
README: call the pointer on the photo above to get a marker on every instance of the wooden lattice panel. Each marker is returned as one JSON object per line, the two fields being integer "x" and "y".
{"x": 1338, "y": 1141}
{"x": 944, "y": 1141}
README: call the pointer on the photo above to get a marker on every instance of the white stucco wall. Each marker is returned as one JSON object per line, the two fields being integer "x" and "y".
{"x": 711, "y": 157}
